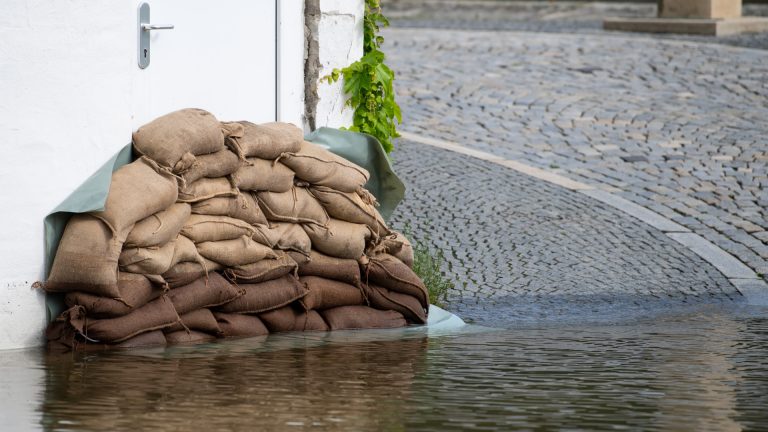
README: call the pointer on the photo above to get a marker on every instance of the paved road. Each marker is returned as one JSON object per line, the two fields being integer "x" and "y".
{"x": 677, "y": 127}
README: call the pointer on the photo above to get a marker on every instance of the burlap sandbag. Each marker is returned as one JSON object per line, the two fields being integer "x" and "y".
{"x": 233, "y": 253}
{"x": 345, "y": 270}
{"x": 87, "y": 258}
{"x": 291, "y": 237}
{"x": 185, "y": 273}
{"x": 295, "y": 206}
{"x": 265, "y": 296}
{"x": 384, "y": 299}
{"x": 185, "y": 251}
{"x": 62, "y": 337}
{"x": 149, "y": 339}
{"x": 159, "y": 228}
{"x": 361, "y": 317}
{"x": 263, "y": 175}
{"x": 242, "y": 207}
{"x": 149, "y": 261}
{"x": 264, "y": 270}
{"x": 391, "y": 273}
{"x": 327, "y": 293}
{"x": 396, "y": 245}
{"x": 268, "y": 235}
{"x": 135, "y": 290}
{"x": 356, "y": 207}
{"x": 299, "y": 257}
{"x": 157, "y": 314}
{"x": 184, "y": 337}
{"x": 205, "y": 228}
{"x": 340, "y": 239}
{"x": 137, "y": 191}
{"x": 219, "y": 164}
{"x": 320, "y": 167}
{"x": 292, "y": 318}
{"x": 265, "y": 141}
{"x": 166, "y": 139}
{"x": 207, "y": 188}
{"x": 240, "y": 325}
{"x": 204, "y": 293}
{"x": 199, "y": 320}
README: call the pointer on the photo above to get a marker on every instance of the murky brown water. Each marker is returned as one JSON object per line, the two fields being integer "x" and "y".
{"x": 706, "y": 371}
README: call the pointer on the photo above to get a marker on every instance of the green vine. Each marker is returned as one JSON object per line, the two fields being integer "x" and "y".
{"x": 368, "y": 82}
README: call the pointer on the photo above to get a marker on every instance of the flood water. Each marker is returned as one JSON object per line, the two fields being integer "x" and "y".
{"x": 706, "y": 370}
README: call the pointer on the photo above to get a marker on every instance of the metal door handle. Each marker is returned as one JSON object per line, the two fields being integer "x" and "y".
{"x": 148, "y": 27}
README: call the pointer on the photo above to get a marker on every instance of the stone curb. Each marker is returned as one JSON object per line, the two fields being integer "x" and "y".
{"x": 742, "y": 277}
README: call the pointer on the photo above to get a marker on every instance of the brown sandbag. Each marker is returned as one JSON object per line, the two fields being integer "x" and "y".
{"x": 204, "y": 228}
{"x": 135, "y": 289}
{"x": 148, "y": 339}
{"x": 151, "y": 261}
{"x": 240, "y": 325}
{"x": 183, "y": 337}
{"x": 219, "y": 164}
{"x": 290, "y": 318}
{"x": 207, "y": 188}
{"x": 291, "y": 237}
{"x": 265, "y": 296}
{"x": 398, "y": 246}
{"x": 242, "y": 206}
{"x": 391, "y": 273}
{"x": 268, "y": 236}
{"x": 265, "y": 141}
{"x": 199, "y": 320}
{"x": 203, "y": 293}
{"x": 264, "y": 270}
{"x": 356, "y": 207}
{"x": 328, "y": 293}
{"x": 87, "y": 258}
{"x": 157, "y": 314}
{"x": 295, "y": 206}
{"x": 236, "y": 252}
{"x": 340, "y": 239}
{"x": 345, "y": 270}
{"x": 63, "y": 337}
{"x": 361, "y": 317}
{"x": 185, "y": 251}
{"x": 185, "y": 273}
{"x": 137, "y": 191}
{"x": 384, "y": 299}
{"x": 167, "y": 138}
{"x": 159, "y": 228}
{"x": 320, "y": 167}
{"x": 263, "y": 175}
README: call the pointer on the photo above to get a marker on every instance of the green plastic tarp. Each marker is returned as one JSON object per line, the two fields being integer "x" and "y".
{"x": 361, "y": 149}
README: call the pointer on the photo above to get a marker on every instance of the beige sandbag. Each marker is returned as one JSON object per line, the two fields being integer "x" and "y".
{"x": 361, "y": 317}
{"x": 167, "y": 138}
{"x": 396, "y": 245}
{"x": 265, "y": 296}
{"x": 341, "y": 239}
{"x": 391, "y": 273}
{"x": 206, "y": 188}
{"x": 87, "y": 258}
{"x": 236, "y": 252}
{"x": 268, "y": 235}
{"x": 185, "y": 251}
{"x": 291, "y": 237}
{"x": 240, "y": 325}
{"x": 299, "y": 257}
{"x": 243, "y": 207}
{"x": 356, "y": 207}
{"x": 185, "y": 273}
{"x": 264, "y": 270}
{"x": 203, "y": 293}
{"x": 263, "y": 175}
{"x": 265, "y": 141}
{"x": 320, "y": 167}
{"x": 148, "y": 261}
{"x": 327, "y": 293}
{"x": 157, "y": 314}
{"x": 219, "y": 164}
{"x": 199, "y": 320}
{"x": 184, "y": 337}
{"x": 159, "y": 228}
{"x": 137, "y": 190}
{"x": 384, "y": 299}
{"x": 345, "y": 270}
{"x": 295, "y": 206}
{"x": 135, "y": 291}
{"x": 204, "y": 228}
{"x": 291, "y": 318}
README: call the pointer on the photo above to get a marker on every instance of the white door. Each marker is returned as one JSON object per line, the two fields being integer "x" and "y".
{"x": 220, "y": 56}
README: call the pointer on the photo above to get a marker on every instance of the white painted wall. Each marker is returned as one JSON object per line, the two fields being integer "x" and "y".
{"x": 340, "y": 38}
{"x": 290, "y": 61}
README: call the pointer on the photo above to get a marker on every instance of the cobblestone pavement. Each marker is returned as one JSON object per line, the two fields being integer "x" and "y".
{"x": 678, "y": 127}
{"x": 521, "y": 250}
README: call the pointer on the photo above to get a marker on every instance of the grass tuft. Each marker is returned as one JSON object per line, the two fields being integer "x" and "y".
{"x": 427, "y": 264}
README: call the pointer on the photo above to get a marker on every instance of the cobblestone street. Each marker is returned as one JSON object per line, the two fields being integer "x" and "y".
{"x": 676, "y": 126}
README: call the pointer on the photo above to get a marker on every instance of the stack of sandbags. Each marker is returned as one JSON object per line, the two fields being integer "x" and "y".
{"x": 230, "y": 229}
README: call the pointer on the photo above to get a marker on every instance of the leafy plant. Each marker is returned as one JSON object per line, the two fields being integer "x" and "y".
{"x": 427, "y": 264}
{"x": 368, "y": 82}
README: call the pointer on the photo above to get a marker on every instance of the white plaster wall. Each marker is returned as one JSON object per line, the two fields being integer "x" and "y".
{"x": 340, "y": 39}
{"x": 290, "y": 61}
